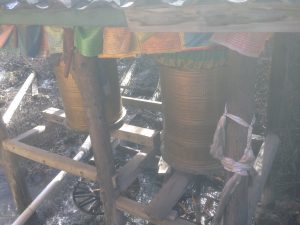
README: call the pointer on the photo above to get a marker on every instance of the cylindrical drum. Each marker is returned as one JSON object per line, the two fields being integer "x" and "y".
{"x": 192, "y": 106}
{"x": 73, "y": 103}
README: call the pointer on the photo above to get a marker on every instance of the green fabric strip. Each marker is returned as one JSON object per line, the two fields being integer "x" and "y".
{"x": 194, "y": 60}
{"x": 88, "y": 40}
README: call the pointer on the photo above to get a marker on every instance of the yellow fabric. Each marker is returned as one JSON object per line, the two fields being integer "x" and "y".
{"x": 5, "y": 31}
{"x": 54, "y": 38}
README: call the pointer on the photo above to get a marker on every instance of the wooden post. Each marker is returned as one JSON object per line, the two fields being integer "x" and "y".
{"x": 262, "y": 165}
{"x": 87, "y": 76}
{"x": 14, "y": 176}
{"x": 277, "y": 78}
{"x": 241, "y": 78}
{"x": 284, "y": 83}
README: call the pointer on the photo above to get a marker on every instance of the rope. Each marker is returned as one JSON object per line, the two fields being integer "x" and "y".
{"x": 245, "y": 164}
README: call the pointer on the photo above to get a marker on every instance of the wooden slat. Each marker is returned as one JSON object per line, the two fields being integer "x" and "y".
{"x": 138, "y": 210}
{"x": 216, "y": 17}
{"x": 17, "y": 99}
{"x": 162, "y": 204}
{"x": 33, "y": 131}
{"x": 51, "y": 159}
{"x": 55, "y": 115}
{"x": 142, "y": 103}
{"x": 128, "y": 173}
{"x": 138, "y": 135}
{"x": 263, "y": 165}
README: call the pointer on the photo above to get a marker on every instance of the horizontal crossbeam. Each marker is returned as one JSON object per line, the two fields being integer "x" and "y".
{"x": 137, "y": 209}
{"x": 138, "y": 135}
{"x": 50, "y": 159}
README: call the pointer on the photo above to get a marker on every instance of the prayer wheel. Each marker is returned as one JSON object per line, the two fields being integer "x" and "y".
{"x": 72, "y": 100}
{"x": 192, "y": 105}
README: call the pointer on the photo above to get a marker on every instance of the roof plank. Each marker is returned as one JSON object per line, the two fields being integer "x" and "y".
{"x": 216, "y": 17}
{"x": 101, "y": 16}
{"x": 212, "y": 17}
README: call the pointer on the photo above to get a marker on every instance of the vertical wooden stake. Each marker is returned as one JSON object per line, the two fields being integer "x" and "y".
{"x": 13, "y": 174}
{"x": 241, "y": 78}
{"x": 284, "y": 88}
{"x": 87, "y": 77}
{"x": 277, "y": 81}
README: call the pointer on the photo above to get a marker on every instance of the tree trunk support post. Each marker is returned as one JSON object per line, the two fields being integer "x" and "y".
{"x": 14, "y": 176}
{"x": 241, "y": 79}
{"x": 87, "y": 76}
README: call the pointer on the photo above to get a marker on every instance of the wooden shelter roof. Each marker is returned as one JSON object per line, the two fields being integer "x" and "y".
{"x": 158, "y": 16}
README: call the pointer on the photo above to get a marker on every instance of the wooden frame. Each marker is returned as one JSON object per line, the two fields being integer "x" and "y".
{"x": 123, "y": 178}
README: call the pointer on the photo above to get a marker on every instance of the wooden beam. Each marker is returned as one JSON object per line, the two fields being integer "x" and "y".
{"x": 13, "y": 174}
{"x": 138, "y": 135}
{"x": 216, "y": 17}
{"x": 101, "y": 16}
{"x": 262, "y": 165}
{"x": 138, "y": 210}
{"x": 50, "y": 159}
{"x": 161, "y": 206}
{"x": 142, "y": 104}
{"x": 128, "y": 173}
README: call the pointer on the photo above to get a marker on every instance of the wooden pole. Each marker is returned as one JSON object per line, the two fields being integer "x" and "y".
{"x": 14, "y": 176}
{"x": 241, "y": 78}
{"x": 17, "y": 99}
{"x": 87, "y": 76}
{"x": 263, "y": 165}
{"x": 26, "y": 214}
{"x": 284, "y": 86}
{"x": 277, "y": 81}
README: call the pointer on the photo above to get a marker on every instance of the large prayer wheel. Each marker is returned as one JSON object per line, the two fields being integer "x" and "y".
{"x": 73, "y": 103}
{"x": 192, "y": 106}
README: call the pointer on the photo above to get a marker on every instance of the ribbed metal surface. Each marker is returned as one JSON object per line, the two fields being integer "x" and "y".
{"x": 191, "y": 103}
{"x": 72, "y": 100}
